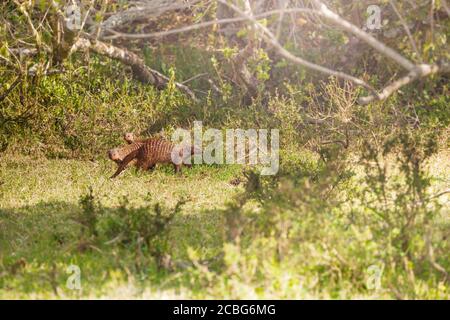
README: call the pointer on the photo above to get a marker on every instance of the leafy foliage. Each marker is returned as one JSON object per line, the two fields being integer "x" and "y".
{"x": 358, "y": 208}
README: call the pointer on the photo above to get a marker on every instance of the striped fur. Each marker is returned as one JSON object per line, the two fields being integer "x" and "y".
{"x": 151, "y": 152}
{"x": 118, "y": 154}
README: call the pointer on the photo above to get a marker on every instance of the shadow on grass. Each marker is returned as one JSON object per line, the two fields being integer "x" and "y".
{"x": 38, "y": 244}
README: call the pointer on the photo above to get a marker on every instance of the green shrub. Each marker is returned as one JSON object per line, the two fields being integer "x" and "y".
{"x": 334, "y": 233}
{"x": 143, "y": 230}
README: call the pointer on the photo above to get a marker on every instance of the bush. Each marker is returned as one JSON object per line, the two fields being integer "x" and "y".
{"x": 145, "y": 230}
{"x": 336, "y": 233}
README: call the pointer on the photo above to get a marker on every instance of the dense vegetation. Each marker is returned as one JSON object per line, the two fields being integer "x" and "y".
{"x": 358, "y": 209}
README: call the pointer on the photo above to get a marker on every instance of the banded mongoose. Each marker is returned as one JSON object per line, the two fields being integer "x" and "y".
{"x": 151, "y": 152}
{"x": 118, "y": 154}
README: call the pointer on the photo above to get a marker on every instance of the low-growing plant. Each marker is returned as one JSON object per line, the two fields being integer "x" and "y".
{"x": 335, "y": 233}
{"x": 145, "y": 229}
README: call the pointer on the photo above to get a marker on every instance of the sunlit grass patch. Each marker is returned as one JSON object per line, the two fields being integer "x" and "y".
{"x": 58, "y": 213}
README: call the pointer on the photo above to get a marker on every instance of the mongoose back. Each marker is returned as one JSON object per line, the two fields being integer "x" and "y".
{"x": 151, "y": 152}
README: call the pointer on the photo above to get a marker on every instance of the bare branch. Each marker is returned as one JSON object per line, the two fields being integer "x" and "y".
{"x": 423, "y": 70}
{"x": 200, "y": 75}
{"x": 150, "y": 9}
{"x": 377, "y": 45}
{"x": 416, "y": 71}
{"x": 268, "y": 36}
{"x": 36, "y": 34}
{"x": 408, "y": 32}
{"x": 201, "y": 25}
{"x": 283, "y": 4}
{"x": 11, "y": 88}
{"x": 140, "y": 70}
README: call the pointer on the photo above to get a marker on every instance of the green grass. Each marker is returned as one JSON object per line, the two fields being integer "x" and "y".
{"x": 40, "y": 237}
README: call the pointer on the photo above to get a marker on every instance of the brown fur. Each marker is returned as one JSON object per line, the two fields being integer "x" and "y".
{"x": 118, "y": 154}
{"x": 151, "y": 152}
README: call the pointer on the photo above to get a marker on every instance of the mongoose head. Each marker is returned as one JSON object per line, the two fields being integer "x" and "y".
{"x": 114, "y": 155}
{"x": 129, "y": 137}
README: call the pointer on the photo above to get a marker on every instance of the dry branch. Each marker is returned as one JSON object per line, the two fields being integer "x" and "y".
{"x": 117, "y": 34}
{"x": 406, "y": 28}
{"x": 364, "y": 36}
{"x": 420, "y": 71}
{"x": 140, "y": 70}
{"x": 270, "y": 38}
{"x": 415, "y": 71}
{"x": 149, "y": 9}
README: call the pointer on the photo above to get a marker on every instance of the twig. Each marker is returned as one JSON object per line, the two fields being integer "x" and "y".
{"x": 200, "y": 25}
{"x": 283, "y": 5}
{"x": 408, "y": 32}
{"x": 432, "y": 20}
{"x": 268, "y": 36}
{"x": 140, "y": 70}
{"x": 30, "y": 23}
{"x": 194, "y": 77}
{"x": 423, "y": 70}
{"x": 437, "y": 195}
{"x": 364, "y": 36}
{"x": 11, "y": 88}
{"x": 431, "y": 258}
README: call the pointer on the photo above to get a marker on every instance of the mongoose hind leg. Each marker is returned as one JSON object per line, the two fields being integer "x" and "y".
{"x": 148, "y": 165}
{"x": 177, "y": 168}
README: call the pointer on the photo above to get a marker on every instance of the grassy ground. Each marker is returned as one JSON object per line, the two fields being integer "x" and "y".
{"x": 40, "y": 236}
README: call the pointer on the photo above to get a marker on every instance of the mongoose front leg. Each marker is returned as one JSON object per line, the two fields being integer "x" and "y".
{"x": 130, "y": 157}
{"x": 119, "y": 170}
